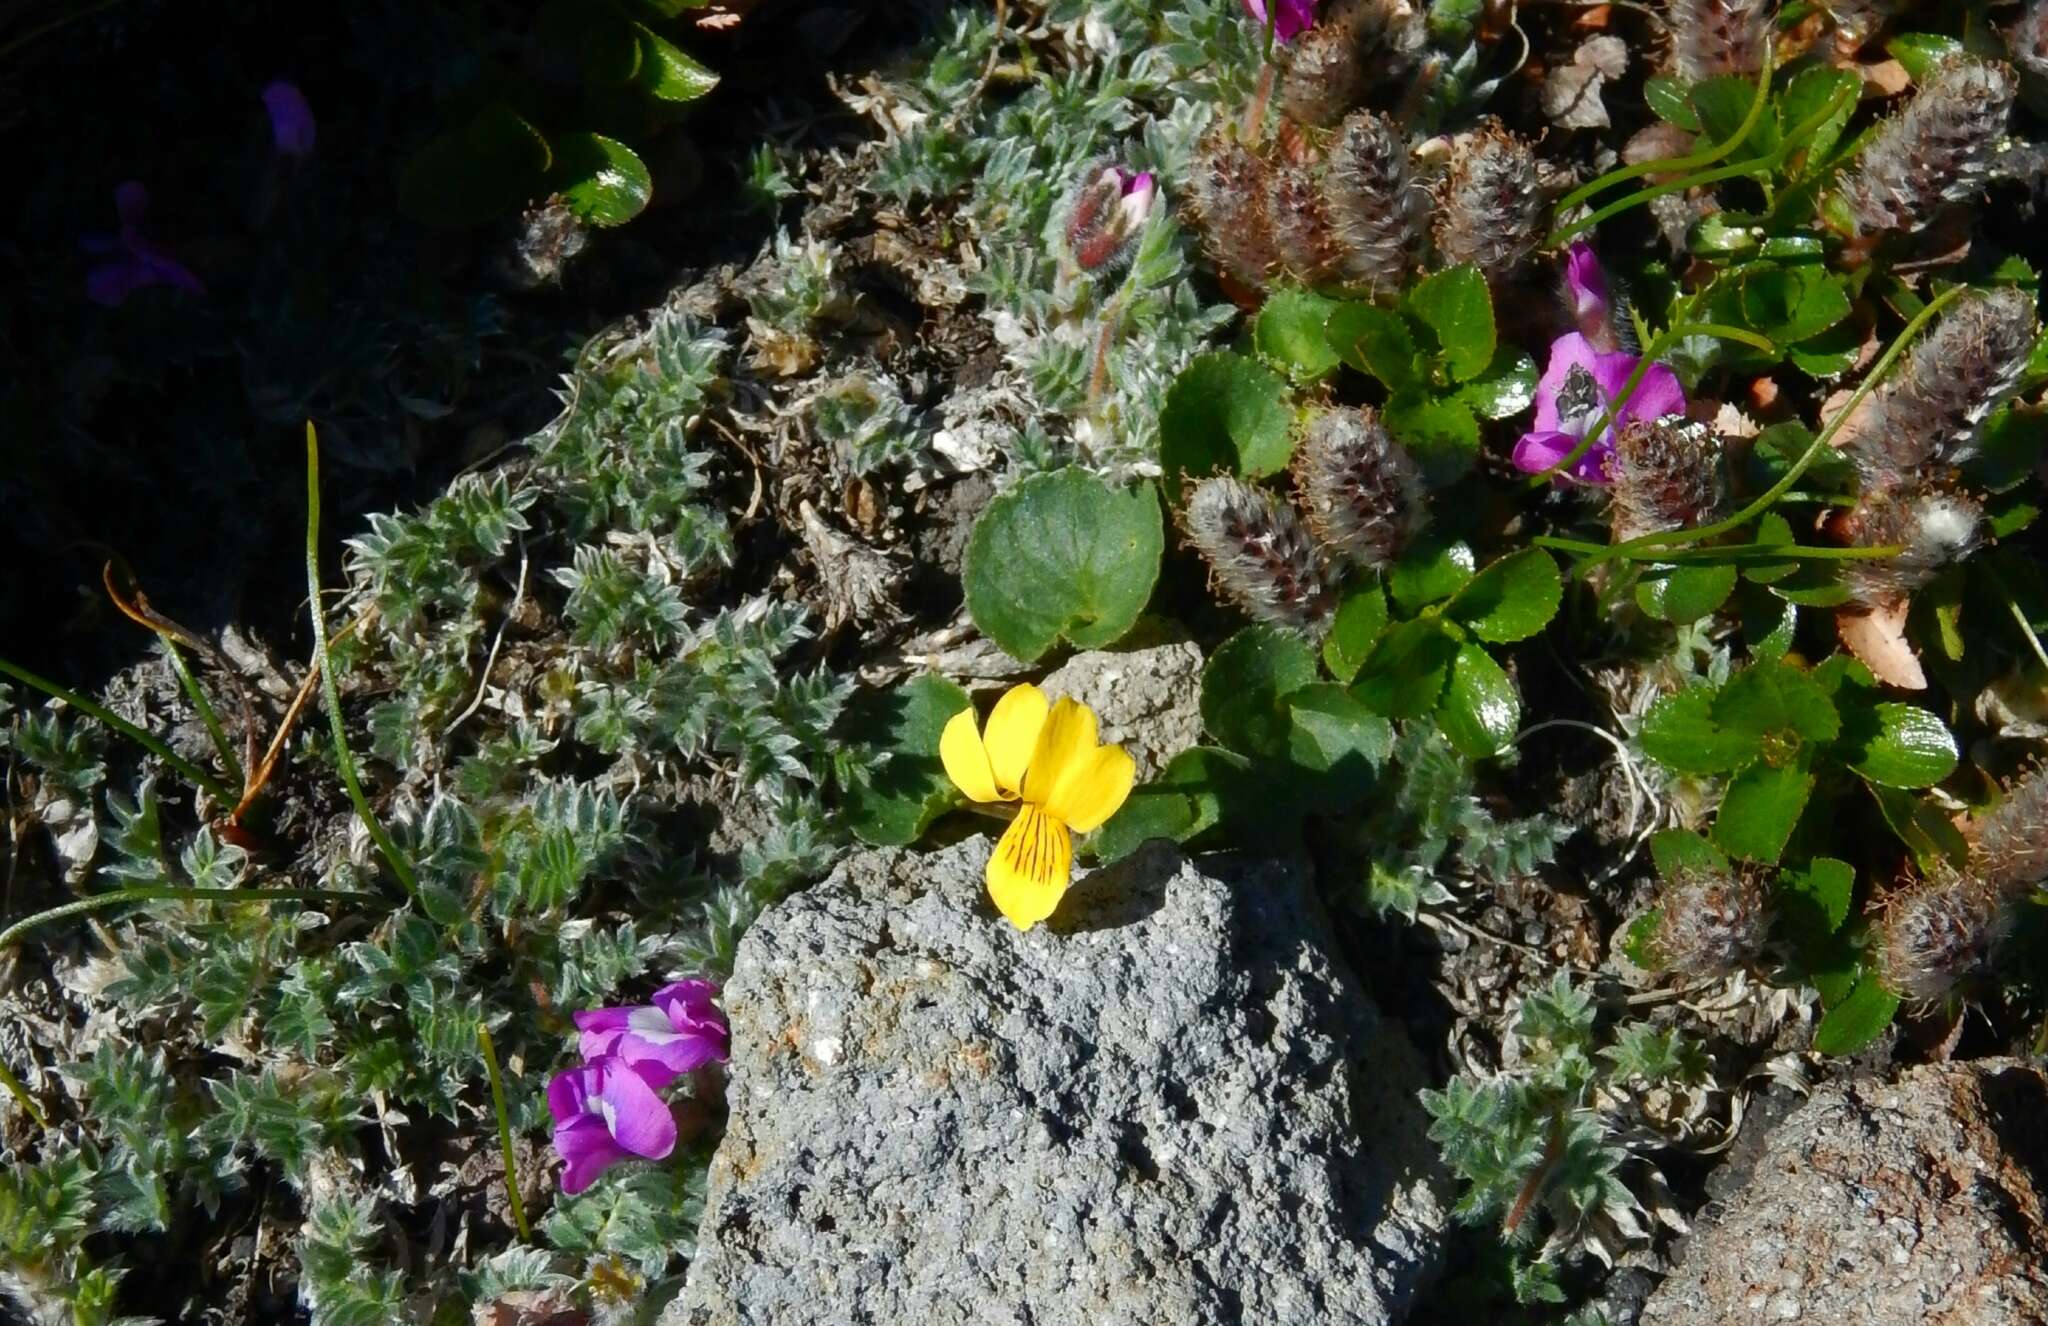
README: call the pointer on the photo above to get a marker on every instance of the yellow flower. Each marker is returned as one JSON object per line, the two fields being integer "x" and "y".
{"x": 1046, "y": 756}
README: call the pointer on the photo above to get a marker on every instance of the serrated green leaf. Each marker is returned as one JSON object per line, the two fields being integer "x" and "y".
{"x": 908, "y": 786}
{"x": 600, "y": 179}
{"x": 1777, "y": 700}
{"x": 1670, "y": 100}
{"x": 1681, "y": 734}
{"x": 1813, "y": 900}
{"x": 1897, "y": 745}
{"x": 1857, "y": 1020}
{"x": 1919, "y": 52}
{"x": 1432, "y": 569}
{"x": 1442, "y": 434}
{"x": 1507, "y": 387}
{"x": 488, "y": 166}
{"x": 1679, "y": 851}
{"x": 1456, "y": 304}
{"x": 1480, "y": 710}
{"x": 2014, "y": 442}
{"x": 1224, "y": 413}
{"x": 666, "y": 73}
{"x": 1722, "y": 104}
{"x": 1806, "y": 96}
{"x": 1291, "y": 330}
{"x": 1374, "y": 341}
{"x": 1684, "y": 594}
{"x": 1063, "y": 555}
{"x": 1404, "y": 676}
{"x": 1512, "y": 599}
{"x": 1637, "y": 944}
{"x": 1245, "y": 683}
{"x": 1760, "y": 809}
{"x": 1937, "y": 845}
{"x": 1769, "y": 623}
{"x": 1354, "y": 630}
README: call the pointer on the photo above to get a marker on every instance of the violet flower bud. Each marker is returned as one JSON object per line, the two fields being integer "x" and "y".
{"x": 129, "y": 260}
{"x": 291, "y": 120}
{"x": 1289, "y": 18}
{"x": 1106, "y": 214}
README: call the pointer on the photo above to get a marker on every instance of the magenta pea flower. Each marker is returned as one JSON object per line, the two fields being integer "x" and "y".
{"x": 606, "y": 1112}
{"x": 680, "y": 1030}
{"x": 291, "y": 120}
{"x": 1585, "y": 286}
{"x": 128, "y": 259}
{"x": 1576, "y": 389}
{"x": 1290, "y": 18}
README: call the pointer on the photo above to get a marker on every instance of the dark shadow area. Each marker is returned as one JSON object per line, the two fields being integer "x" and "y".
{"x": 1118, "y": 895}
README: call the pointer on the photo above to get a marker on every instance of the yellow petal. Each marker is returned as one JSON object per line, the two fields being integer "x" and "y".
{"x": 1067, "y": 741}
{"x": 1093, "y": 789}
{"x": 1013, "y": 730}
{"x": 1031, "y": 868}
{"x": 966, "y": 759}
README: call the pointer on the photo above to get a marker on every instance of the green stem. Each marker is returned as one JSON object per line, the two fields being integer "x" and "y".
{"x": 2019, "y": 615}
{"x": 483, "y": 1036}
{"x": 221, "y": 746}
{"x": 172, "y": 893}
{"x": 1761, "y": 552}
{"x": 193, "y": 774}
{"x": 330, "y": 689}
{"x": 20, "y": 1094}
{"x": 1623, "y": 174}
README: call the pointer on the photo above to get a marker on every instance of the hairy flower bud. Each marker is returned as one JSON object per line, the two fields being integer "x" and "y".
{"x": 1937, "y": 150}
{"x": 1326, "y": 72}
{"x": 1362, "y": 492}
{"x": 1105, "y": 213}
{"x": 2011, "y": 851}
{"x": 1714, "y": 37}
{"x": 1229, "y": 187}
{"x": 1259, "y": 556}
{"x": 1302, "y": 234}
{"x": 1935, "y": 527}
{"x": 1665, "y": 474}
{"x": 1710, "y": 922}
{"x": 1933, "y": 410}
{"x": 1934, "y": 934}
{"x": 1371, "y": 201}
{"x": 1489, "y": 204}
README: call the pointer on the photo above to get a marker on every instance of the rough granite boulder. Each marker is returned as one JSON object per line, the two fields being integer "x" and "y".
{"x": 1910, "y": 1203}
{"x": 1145, "y": 699}
{"x": 1169, "y": 1103}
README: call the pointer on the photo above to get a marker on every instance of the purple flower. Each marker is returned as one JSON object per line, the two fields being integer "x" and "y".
{"x": 606, "y": 1112}
{"x": 1586, "y": 287}
{"x": 291, "y": 120}
{"x": 1575, "y": 390}
{"x": 1290, "y": 18}
{"x": 129, "y": 261}
{"x": 680, "y": 1030}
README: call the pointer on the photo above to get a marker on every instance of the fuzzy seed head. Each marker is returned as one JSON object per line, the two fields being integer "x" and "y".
{"x": 1714, "y": 37}
{"x": 1371, "y": 201}
{"x": 1934, "y": 934}
{"x": 1937, "y": 150}
{"x": 2029, "y": 41}
{"x": 2011, "y": 851}
{"x": 1260, "y": 557}
{"x": 1326, "y": 73}
{"x": 1302, "y": 234}
{"x": 1710, "y": 922}
{"x": 1489, "y": 204}
{"x": 1362, "y": 492}
{"x": 1229, "y": 187}
{"x": 1936, "y": 527}
{"x": 1966, "y": 366}
{"x": 1664, "y": 475}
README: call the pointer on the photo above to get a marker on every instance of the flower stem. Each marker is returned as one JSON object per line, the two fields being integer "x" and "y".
{"x": 20, "y": 1094}
{"x": 329, "y": 687}
{"x": 172, "y": 893}
{"x": 1762, "y": 552}
{"x": 192, "y": 773}
{"x": 483, "y": 1039}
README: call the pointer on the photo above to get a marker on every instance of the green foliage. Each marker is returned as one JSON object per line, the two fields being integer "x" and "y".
{"x": 895, "y": 783}
{"x": 1225, "y": 414}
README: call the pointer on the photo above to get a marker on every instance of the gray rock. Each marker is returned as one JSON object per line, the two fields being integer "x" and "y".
{"x": 1146, "y": 700}
{"x": 1910, "y": 1203}
{"x": 1167, "y": 1104}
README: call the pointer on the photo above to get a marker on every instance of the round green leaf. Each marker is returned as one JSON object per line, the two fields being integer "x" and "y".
{"x": 1290, "y": 332}
{"x": 1432, "y": 569}
{"x": 1224, "y": 413}
{"x": 906, "y": 786}
{"x": 1063, "y": 555}
{"x": 1404, "y": 677}
{"x": 1899, "y": 745}
{"x": 1456, "y": 305}
{"x": 1374, "y": 341}
{"x": 600, "y": 179}
{"x": 1243, "y": 686}
{"x": 1334, "y": 736}
{"x": 1507, "y": 387}
{"x": 1479, "y": 711}
{"x": 1190, "y": 795}
{"x": 478, "y": 171}
{"x": 1857, "y": 1020}
{"x": 1681, "y": 734}
{"x": 1684, "y": 594}
{"x": 1512, "y": 599}
{"x": 1920, "y": 52}
{"x": 1354, "y": 630}
{"x": 1760, "y": 809}
{"x": 666, "y": 73}
{"x": 1668, "y": 101}
{"x": 1442, "y": 434}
